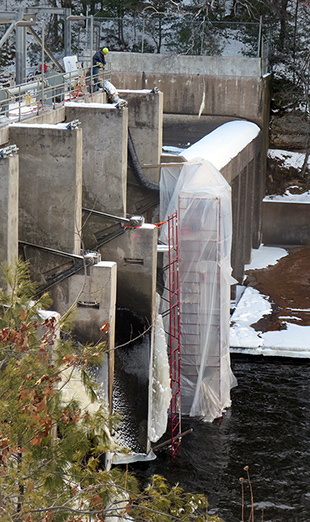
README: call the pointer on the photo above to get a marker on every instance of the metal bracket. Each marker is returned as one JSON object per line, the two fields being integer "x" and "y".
{"x": 74, "y": 124}
{"x": 8, "y": 151}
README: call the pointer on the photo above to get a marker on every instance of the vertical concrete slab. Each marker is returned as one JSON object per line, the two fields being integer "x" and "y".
{"x": 9, "y": 169}
{"x": 248, "y": 218}
{"x": 50, "y": 185}
{"x": 236, "y": 251}
{"x": 135, "y": 253}
{"x": 286, "y": 223}
{"x": 93, "y": 294}
{"x": 242, "y": 218}
{"x": 259, "y": 192}
{"x": 105, "y": 137}
{"x": 145, "y": 122}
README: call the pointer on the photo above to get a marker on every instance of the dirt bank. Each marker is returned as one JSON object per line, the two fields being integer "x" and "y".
{"x": 288, "y": 285}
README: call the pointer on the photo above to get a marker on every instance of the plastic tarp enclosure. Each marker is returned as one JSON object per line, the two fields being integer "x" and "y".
{"x": 202, "y": 198}
{"x": 160, "y": 381}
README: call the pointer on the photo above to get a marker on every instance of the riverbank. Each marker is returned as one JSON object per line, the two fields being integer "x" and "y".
{"x": 272, "y": 317}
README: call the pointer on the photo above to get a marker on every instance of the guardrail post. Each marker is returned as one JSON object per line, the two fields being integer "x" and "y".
{"x": 19, "y": 102}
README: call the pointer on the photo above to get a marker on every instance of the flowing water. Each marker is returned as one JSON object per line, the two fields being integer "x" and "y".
{"x": 268, "y": 429}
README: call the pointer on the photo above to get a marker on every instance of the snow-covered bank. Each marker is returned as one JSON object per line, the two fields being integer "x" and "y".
{"x": 293, "y": 341}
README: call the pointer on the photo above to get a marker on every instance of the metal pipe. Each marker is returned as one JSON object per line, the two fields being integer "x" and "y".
{"x": 47, "y": 51}
{"x": 42, "y": 63}
{"x": 134, "y": 163}
{"x": 71, "y": 74}
{"x": 91, "y": 53}
{"x": 51, "y": 250}
{"x": 12, "y": 91}
{"x": 104, "y": 214}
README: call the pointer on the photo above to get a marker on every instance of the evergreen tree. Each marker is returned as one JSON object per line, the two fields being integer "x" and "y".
{"x": 51, "y": 449}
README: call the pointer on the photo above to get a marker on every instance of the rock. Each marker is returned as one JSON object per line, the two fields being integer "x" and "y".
{"x": 289, "y": 131}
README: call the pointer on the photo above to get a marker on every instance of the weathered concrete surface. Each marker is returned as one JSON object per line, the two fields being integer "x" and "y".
{"x": 285, "y": 223}
{"x": 104, "y": 155}
{"x": 246, "y": 175}
{"x": 216, "y": 84}
{"x": 145, "y": 122}
{"x": 50, "y": 185}
{"x": 135, "y": 253}
{"x": 182, "y": 130}
{"x": 93, "y": 293}
{"x": 50, "y": 116}
{"x": 9, "y": 179}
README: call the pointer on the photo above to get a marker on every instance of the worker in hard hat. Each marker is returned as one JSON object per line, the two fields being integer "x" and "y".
{"x": 99, "y": 63}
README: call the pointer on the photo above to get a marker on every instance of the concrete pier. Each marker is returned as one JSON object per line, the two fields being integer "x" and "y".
{"x": 50, "y": 185}
{"x": 104, "y": 155}
{"x": 92, "y": 292}
{"x": 145, "y": 123}
{"x": 9, "y": 208}
{"x": 135, "y": 253}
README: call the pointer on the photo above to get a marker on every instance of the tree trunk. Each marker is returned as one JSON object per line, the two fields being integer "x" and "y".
{"x": 283, "y": 19}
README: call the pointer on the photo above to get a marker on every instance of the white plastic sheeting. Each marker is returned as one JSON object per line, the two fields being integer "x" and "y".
{"x": 161, "y": 390}
{"x": 202, "y": 198}
{"x": 224, "y": 143}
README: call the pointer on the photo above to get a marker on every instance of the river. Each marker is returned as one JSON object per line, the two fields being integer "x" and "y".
{"x": 268, "y": 429}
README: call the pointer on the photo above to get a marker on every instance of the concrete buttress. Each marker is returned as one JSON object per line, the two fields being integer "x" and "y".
{"x": 104, "y": 155}
{"x": 50, "y": 185}
{"x": 9, "y": 209}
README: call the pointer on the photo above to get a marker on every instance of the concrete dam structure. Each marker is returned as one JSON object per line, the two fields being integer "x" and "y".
{"x": 73, "y": 208}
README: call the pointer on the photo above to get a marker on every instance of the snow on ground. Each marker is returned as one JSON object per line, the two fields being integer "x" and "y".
{"x": 289, "y": 158}
{"x": 252, "y": 306}
{"x": 288, "y": 197}
{"x": 265, "y": 256}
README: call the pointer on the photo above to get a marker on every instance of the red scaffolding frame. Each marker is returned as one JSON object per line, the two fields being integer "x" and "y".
{"x": 174, "y": 332}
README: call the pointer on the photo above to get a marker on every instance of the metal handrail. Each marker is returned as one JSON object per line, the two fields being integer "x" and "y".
{"x": 18, "y": 102}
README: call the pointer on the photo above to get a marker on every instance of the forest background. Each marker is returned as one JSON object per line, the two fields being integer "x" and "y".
{"x": 276, "y": 30}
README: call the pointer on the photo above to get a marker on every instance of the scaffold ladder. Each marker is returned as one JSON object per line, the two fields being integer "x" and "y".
{"x": 174, "y": 332}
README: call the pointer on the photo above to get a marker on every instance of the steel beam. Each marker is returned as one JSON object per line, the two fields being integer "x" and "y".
{"x": 47, "y": 51}
{"x": 6, "y": 34}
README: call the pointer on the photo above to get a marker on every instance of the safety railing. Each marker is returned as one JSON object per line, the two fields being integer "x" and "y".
{"x": 48, "y": 91}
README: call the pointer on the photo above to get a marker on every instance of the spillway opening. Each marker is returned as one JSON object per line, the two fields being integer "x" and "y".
{"x": 131, "y": 380}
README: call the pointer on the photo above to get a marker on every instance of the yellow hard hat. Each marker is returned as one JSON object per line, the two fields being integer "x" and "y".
{"x": 105, "y": 50}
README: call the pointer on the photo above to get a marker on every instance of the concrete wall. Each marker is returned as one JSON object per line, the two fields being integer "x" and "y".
{"x": 9, "y": 170}
{"x": 135, "y": 253}
{"x": 246, "y": 175}
{"x": 145, "y": 122}
{"x": 93, "y": 294}
{"x": 50, "y": 185}
{"x": 224, "y": 85}
{"x": 104, "y": 155}
{"x": 286, "y": 223}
